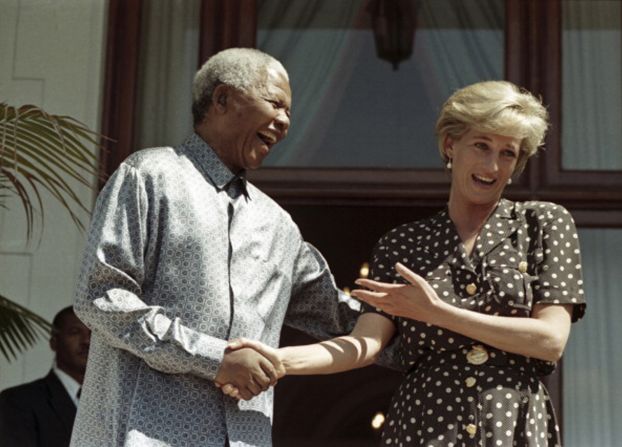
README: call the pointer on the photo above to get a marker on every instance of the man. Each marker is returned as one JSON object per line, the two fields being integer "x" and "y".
{"x": 41, "y": 413}
{"x": 185, "y": 254}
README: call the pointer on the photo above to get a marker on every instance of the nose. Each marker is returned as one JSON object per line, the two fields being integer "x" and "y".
{"x": 492, "y": 163}
{"x": 282, "y": 122}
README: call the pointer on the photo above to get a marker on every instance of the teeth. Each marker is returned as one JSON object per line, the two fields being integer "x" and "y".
{"x": 484, "y": 179}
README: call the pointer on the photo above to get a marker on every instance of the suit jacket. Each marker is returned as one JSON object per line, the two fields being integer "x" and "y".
{"x": 36, "y": 414}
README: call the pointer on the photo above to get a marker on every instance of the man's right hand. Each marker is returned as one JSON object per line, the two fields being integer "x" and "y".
{"x": 248, "y": 371}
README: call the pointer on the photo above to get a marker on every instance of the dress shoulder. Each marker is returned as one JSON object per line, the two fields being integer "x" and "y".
{"x": 559, "y": 277}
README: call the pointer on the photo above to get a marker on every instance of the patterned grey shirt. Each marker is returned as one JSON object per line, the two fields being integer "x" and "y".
{"x": 183, "y": 255}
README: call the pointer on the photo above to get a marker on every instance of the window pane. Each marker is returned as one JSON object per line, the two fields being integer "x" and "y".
{"x": 592, "y": 85}
{"x": 592, "y": 362}
{"x": 353, "y": 109}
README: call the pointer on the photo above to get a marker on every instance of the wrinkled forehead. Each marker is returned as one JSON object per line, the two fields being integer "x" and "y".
{"x": 275, "y": 81}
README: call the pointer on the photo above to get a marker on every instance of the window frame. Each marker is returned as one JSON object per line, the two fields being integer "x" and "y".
{"x": 533, "y": 60}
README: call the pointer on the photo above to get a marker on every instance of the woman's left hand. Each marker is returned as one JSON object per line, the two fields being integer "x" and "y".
{"x": 416, "y": 300}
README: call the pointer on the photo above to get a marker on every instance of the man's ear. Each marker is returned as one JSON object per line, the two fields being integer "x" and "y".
{"x": 220, "y": 97}
{"x": 53, "y": 343}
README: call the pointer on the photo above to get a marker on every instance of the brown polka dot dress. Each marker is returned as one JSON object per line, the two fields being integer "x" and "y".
{"x": 458, "y": 391}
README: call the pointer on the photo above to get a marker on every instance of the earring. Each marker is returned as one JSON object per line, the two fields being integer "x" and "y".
{"x": 448, "y": 165}
{"x": 510, "y": 181}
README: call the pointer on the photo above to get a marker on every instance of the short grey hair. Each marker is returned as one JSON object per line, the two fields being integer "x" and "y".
{"x": 498, "y": 107}
{"x": 245, "y": 69}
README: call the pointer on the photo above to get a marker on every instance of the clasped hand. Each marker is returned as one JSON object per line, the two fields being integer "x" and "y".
{"x": 249, "y": 368}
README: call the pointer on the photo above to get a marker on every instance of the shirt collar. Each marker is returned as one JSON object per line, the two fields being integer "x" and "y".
{"x": 208, "y": 162}
{"x": 505, "y": 209}
{"x": 71, "y": 385}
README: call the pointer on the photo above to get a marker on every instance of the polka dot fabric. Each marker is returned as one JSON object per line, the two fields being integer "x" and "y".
{"x": 526, "y": 253}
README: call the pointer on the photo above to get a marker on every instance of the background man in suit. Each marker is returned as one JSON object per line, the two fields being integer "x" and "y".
{"x": 41, "y": 413}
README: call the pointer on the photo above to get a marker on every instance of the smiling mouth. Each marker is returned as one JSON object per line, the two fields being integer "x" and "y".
{"x": 269, "y": 139}
{"x": 487, "y": 181}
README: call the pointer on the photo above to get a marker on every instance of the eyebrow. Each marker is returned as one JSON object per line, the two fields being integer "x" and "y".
{"x": 484, "y": 137}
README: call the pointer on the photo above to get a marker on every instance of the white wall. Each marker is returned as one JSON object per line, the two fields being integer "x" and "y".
{"x": 51, "y": 55}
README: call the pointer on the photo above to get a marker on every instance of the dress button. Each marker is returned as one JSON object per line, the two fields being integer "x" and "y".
{"x": 477, "y": 355}
{"x": 471, "y": 429}
{"x": 522, "y": 266}
{"x": 470, "y": 381}
{"x": 471, "y": 289}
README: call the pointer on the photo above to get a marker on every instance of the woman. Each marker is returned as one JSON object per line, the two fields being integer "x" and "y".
{"x": 482, "y": 294}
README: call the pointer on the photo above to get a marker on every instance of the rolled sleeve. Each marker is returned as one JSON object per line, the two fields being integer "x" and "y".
{"x": 559, "y": 274}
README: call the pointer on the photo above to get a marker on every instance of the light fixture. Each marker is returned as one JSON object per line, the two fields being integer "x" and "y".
{"x": 393, "y": 23}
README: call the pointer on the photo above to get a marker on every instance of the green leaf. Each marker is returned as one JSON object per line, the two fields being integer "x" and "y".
{"x": 40, "y": 151}
{"x": 19, "y": 328}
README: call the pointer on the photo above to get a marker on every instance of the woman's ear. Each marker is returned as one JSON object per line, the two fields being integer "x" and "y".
{"x": 448, "y": 147}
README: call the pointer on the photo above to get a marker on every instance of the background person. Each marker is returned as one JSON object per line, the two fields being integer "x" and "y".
{"x": 483, "y": 293}
{"x": 41, "y": 413}
{"x": 183, "y": 254}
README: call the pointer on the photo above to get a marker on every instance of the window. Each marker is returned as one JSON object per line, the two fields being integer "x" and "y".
{"x": 353, "y": 109}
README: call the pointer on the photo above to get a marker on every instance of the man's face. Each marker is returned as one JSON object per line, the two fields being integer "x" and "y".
{"x": 71, "y": 343}
{"x": 255, "y": 122}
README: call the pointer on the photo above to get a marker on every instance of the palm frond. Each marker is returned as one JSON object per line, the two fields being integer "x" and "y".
{"x": 6, "y": 191}
{"x": 40, "y": 151}
{"x": 19, "y": 328}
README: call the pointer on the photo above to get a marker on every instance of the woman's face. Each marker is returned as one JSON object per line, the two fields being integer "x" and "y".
{"x": 482, "y": 164}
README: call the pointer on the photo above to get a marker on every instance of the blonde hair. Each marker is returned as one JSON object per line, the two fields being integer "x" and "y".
{"x": 498, "y": 107}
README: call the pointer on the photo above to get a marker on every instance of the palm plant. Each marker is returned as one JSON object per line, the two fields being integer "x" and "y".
{"x": 39, "y": 151}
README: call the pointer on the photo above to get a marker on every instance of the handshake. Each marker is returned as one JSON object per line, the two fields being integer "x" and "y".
{"x": 249, "y": 367}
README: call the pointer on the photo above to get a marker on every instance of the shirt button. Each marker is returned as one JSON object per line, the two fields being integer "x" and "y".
{"x": 478, "y": 355}
{"x": 470, "y": 381}
{"x": 471, "y": 289}
{"x": 471, "y": 429}
{"x": 522, "y": 266}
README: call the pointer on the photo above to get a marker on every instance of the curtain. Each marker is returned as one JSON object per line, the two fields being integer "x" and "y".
{"x": 168, "y": 61}
{"x": 314, "y": 42}
{"x": 592, "y": 85}
{"x": 352, "y": 109}
{"x": 593, "y": 360}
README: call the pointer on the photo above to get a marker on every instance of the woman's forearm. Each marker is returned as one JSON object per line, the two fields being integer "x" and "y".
{"x": 332, "y": 356}
{"x": 370, "y": 335}
{"x": 542, "y": 336}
